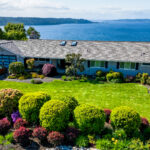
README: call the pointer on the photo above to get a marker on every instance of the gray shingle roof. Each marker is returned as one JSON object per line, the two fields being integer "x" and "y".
{"x": 90, "y": 50}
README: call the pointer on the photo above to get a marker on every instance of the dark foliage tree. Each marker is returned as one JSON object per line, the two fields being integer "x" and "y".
{"x": 32, "y": 33}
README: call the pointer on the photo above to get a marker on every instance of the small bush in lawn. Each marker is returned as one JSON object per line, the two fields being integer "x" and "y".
{"x": 144, "y": 78}
{"x": 82, "y": 141}
{"x": 71, "y": 102}
{"x": 144, "y": 124}
{"x": 54, "y": 115}
{"x": 20, "y": 123}
{"x": 125, "y": 118}
{"x": 40, "y": 133}
{"x": 22, "y": 135}
{"x": 4, "y": 126}
{"x": 104, "y": 144}
{"x": 115, "y": 77}
{"x": 107, "y": 113}
{"x": 9, "y": 101}
{"x": 9, "y": 137}
{"x": 16, "y": 68}
{"x": 55, "y": 138}
{"x": 15, "y": 116}
{"x": 119, "y": 134}
{"x": 89, "y": 119}
{"x": 36, "y": 81}
{"x": 49, "y": 70}
{"x": 64, "y": 78}
{"x": 30, "y": 104}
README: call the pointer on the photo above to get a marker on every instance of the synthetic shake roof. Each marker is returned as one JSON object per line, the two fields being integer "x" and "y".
{"x": 90, "y": 50}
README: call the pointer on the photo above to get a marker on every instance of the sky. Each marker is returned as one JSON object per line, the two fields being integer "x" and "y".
{"x": 87, "y": 9}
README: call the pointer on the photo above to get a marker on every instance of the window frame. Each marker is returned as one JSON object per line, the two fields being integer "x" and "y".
{"x": 97, "y": 64}
{"x": 127, "y": 68}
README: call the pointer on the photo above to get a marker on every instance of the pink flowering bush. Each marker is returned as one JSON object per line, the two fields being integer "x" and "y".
{"x": 20, "y": 123}
{"x": 49, "y": 70}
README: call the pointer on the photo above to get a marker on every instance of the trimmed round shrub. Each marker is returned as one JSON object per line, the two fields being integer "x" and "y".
{"x": 22, "y": 135}
{"x": 49, "y": 70}
{"x": 9, "y": 101}
{"x": 55, "y": 138}
{"x": 4, "y": 126}
{"x": 125, "y": 118}
{"x": 40, "y": 133}
{"x": 30, "y": 104}
{"x": 54, "y": 115}
{"x": 71, "y": 102}
{"x": 20, "y": 123}
{"x": 16, "y": 68}
{"x": 89, "y": 119}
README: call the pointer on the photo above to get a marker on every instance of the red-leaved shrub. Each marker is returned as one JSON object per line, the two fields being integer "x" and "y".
{"x": 107, "y": 113}
{"x": 49, "y": 70}
{"x": 4, "y": 126}
{"x": 20, "y": 123}
{"x": 144, "y": 123}
{"x": 71, "y": 135}
{"x": 22, "y": 135}
{"x": 55, "y": 138}
{"x": 40, "y": 133}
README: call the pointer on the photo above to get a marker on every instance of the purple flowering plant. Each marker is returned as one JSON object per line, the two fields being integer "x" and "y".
{"x": 15, "y": 116}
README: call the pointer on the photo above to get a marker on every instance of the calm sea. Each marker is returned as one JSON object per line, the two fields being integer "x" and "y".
{"x": 105, "y": 31}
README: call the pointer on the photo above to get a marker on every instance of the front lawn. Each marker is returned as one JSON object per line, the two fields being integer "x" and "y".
{"x": 103, "y": 95}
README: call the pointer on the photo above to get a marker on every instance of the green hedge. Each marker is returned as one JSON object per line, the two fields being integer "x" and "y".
{"x": 125, "y": 118}
{"x": 89, "y": 119}
{"x": 54, "y": 115}
{"x": 30, "y": 104}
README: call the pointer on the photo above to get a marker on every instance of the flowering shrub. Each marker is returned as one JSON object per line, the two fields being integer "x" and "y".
{"x": 55, "y": 138}
{"x": 114, "y": 77}
{"x": 89, "y": 119}
{"x": 4, "y": 126}
{"x": 125, "y": 118}
{"x": 30, "y": 63}
{"x": 30, "y": 104}
{"x": 54, "y": 115}
{"x": 20, "y": 123}
{"x": 40, "y": 133}
{"x": 22, "y": 135}
{"x": 49, "y": 70}
{"x": 9, "y": 101}
{"x": 144, "y": 124}
{"x": 107, "y": 113}
{"x": 15, "y": 116}
{"x": 16, "y": 68}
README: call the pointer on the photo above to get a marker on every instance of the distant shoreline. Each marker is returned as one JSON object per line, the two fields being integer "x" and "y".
{"x": 42, "y": 21}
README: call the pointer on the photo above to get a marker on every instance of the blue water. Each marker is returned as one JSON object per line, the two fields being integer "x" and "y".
{"x": 105, "y": 31}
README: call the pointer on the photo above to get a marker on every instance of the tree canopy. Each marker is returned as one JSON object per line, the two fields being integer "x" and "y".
{"x": 32, "y": 33}
{"x": 17, "y": 31}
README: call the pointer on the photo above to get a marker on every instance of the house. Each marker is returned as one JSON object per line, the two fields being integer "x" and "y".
{"x": 126, "y": 57}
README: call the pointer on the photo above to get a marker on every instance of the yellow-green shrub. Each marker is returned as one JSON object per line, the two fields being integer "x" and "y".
{"x": 54, "y": 115}
{"x": 125, "y": 118}
{"x": 16, "y": 68}
{"x": 9, "y": 101}
{"x": 114, "y": 77}
{"x": 89, "y": 119}
{"x": 30, "y": 104}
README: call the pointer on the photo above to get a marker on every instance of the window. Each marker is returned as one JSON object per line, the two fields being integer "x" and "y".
{"x": 74, "y": 43}
{"x": 127, "y": 65}
{"x": 97, "y": 64}
{"x": 63, "y": 43}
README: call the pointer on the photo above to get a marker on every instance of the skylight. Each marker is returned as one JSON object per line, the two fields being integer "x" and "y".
{"x": 63, "y": 43}
{"x": 74, "y": 43}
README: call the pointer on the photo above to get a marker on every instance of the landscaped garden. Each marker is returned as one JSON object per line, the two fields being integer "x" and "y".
{"x": 106, "y": 111}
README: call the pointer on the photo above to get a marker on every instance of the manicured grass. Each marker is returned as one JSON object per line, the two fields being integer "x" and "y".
{"x": 103, "y": 95}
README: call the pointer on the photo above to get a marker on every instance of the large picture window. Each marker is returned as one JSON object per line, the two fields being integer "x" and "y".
{"x": 127, "y": 65}
{"x": 97, "y": 64}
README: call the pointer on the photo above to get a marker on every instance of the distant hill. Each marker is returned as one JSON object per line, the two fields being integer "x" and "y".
{"x": 42, "y": 21}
